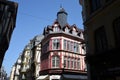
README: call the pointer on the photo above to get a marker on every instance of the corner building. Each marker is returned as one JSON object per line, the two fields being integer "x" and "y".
{"x": 102, "y": 36}
{"x": 63, "y": 51}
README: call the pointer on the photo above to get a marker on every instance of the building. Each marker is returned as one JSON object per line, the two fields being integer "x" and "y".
{"x": 12, "y": 73}
{"x": 62, "y": 56}
{"x": 25, "y": 62}
{"x": 17, "y": 69}
{"x": 102, "y": 36}
{"x": 8, "y": 13}
{"x": 29, "y": 67}
{"x": 3, "y": 74}
{"x": 15, "y": 72}
{"x": 35, "y": 59}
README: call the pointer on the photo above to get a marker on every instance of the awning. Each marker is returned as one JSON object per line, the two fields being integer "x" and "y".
{"x": 75, "y": 77}
{"x": 42, "y": 77}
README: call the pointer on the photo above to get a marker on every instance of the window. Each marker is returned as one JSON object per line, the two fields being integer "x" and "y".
{"x": 66, "y": 30}
{"x": 55, "y": 61}
{"x": 75, "y": 61}
{"x": 56, "y": 29}
{"x": 68, "y": 63}
{"x": 116, "y": 26}
{"x": 75, "y": 48}
{"x": 74, "y": 31}
{"x": 100, "y": 39}
{"x": 68, "y": 45}
{"x": 65, "y": 62}
{"x": 72, "y": 63}
{"x": 56, "y": 44}
{"x": 45, "y": 47}
{"x": 71, "y": 46}
{"x": 78, "y": 64}
{"x": 95, "y": 4}
{"x": 65, "y": 46}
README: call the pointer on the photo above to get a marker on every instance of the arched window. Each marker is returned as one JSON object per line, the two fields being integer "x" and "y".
{"x": 55, "y": 61}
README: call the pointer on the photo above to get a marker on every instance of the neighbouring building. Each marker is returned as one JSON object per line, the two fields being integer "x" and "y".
{"x": 15, "y": 72}
{"x": 17, "y": 69}
{"x": 35, "y": 59}
{"x": 8, "y": 13}
{"x": 27, "y": 66}
{"x": 3, "y": 74}
{"x": 63, "y": 51}
{"x": 101, "y": 19}
{"x": 25, "y": 62}
{"x": 12, "y": 73}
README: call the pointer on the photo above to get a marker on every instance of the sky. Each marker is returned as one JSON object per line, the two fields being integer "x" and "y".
{"x": 32, "y": 17}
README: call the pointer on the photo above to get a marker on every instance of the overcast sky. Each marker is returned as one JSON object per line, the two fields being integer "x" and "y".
{"x": 32, "y": 17}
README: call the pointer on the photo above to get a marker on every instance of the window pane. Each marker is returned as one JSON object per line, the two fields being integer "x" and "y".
{"x": 78, "y": 64}
{"x": 65, "y": 62}
{"x": 65, "y": 44}
{"x": 68, "y": 63}
{"x": 75, "y": 47}
{"x": 53, "y": 61}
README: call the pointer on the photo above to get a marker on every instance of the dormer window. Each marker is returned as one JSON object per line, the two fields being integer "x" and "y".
{"x": 66, "y": 30}
{"x": 56, "y": 28}
{"x": 74, "y": 31}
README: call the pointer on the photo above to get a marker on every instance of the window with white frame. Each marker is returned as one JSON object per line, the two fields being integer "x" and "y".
{"x": 56, "y": 43}
{"x": 68, "y": 63}
{"x": 55, "y": 61}
{"x": 78, "y": 64}
{"x": 72, "y": 63}
{"x": 75, "y": 48}
{"x": 65, "y": 44}
{"x": 75, "y": 61}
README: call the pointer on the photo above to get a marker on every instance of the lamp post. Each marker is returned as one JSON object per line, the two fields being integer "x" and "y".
{"x": 63, "y": 67}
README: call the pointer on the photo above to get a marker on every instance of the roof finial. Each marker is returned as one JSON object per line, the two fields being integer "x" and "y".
{"x": 60, "y": 6}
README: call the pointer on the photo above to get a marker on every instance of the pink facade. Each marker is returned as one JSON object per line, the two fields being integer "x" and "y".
{"x": 62, "y": 48}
